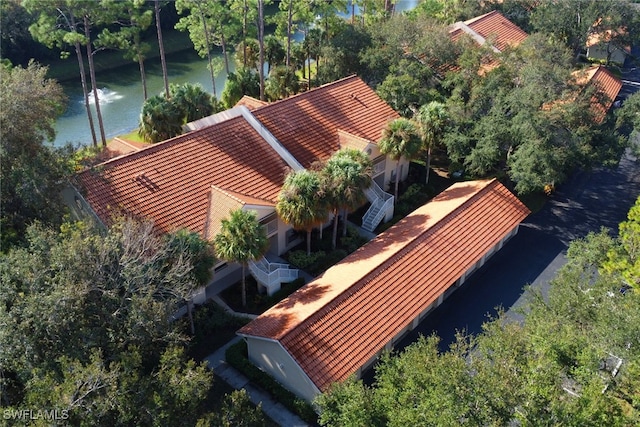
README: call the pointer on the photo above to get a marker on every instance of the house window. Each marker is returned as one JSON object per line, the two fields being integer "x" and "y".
{"x": 270, "y": 227}
{"x": 292, "y": 235}
{"x": 379, "y": 165}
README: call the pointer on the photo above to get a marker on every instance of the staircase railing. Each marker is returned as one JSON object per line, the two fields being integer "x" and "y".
{"x": 381, "y": 205}
{"x": 272, "y": 274}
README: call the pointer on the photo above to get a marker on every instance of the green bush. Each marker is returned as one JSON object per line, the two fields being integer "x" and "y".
{"x": 237, "y": 357}
{"x": 300, "y": 259}
{"x": 353, "y": 240}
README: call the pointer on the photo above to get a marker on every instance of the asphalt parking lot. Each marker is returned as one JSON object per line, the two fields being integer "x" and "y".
{"x": 589, "y": 201}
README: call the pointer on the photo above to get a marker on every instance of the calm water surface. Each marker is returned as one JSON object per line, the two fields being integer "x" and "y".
{"x": 121, "y": 99}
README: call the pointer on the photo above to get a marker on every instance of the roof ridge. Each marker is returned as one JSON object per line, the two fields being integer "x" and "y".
{"x": 393, "y": 258}
{"x": 154, "y": 146}
{"x": 311, "y": 91}
{"x": 233, "y": 195}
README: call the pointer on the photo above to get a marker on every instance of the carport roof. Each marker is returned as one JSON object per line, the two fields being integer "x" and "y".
{"x": 334, "y": 325}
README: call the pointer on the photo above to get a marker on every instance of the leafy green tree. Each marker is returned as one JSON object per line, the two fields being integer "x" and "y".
{"x": 241, "y": 239}
{"x": 238, "y": 411}
{"x": 243, "y": 82}
{"x": 432, "y": 121}
{"x": 573, "y": 22}
{"x": 210, "y": 24}
{"x": 625, "y": 258}
{"x": 57, "y": 26}
{"x": 299, "y": 203}
{"x": 628, "y": 121}
{"x": 341, "y": 55}
{"x": 282, "y": 83}
{"x": 399, "y": 139}
{"x": 32, "y": 173}
{"x": 274, "y": 53}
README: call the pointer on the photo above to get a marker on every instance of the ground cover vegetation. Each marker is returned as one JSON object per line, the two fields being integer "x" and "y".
{"x": 572, "y": 360}
{"x": 84, "y": 323}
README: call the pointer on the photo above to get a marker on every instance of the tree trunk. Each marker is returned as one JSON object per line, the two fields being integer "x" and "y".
{"x": 206, "y": 40}
{"x": 85, "y": 92}
{"x": 143, "y": 76}
{"x": 225, "y": 55}
{"x": 309, "y": 242}
{"x": 163, "y": 60}
{"x": 344, "y": 223}
{"x": 426, "y": 181}
{"x": 244, "y": 287}
{"x": 245, "y": 11}
{"x": 334, "y": 237}
{"x": 289, "y": 25}
{"x": 92, "y": 73}
{"x": 190, "y": 313}
{"x": 261, "y": 43}
{"x": 397, "y": 181}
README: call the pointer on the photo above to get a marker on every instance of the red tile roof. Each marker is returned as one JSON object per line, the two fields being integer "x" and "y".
{"x": 607, "y": 88}
{"x": 170, "y": 182}
{"x": 335, "y": 324}
{"x": 250, "y": 102}
{"x": 494, "y": 26}
{"x": 307, "y": 124}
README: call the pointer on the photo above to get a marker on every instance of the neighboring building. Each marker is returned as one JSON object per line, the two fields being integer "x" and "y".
{"x": 601, "y": 47}
{"x": 238, "y": 159}
{"x": 491, "y": 27}
{"x": 607, "y": 87}
{"x": 337, "y": 325}
{"x": 491, "y": 30}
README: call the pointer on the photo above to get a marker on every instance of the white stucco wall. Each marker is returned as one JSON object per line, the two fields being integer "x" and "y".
{"x": 272, "y": 358}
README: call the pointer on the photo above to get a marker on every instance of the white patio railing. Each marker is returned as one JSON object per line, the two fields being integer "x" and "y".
{"x": 272, "y": 274}
{"x": 381, "y": 207}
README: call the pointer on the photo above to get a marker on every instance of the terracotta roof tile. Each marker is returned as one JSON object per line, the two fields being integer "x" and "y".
{"x": 250, "y": 102}
{"x": 335, "y": 324}
{"x": 221, "y": 203}
{"x": 607, "y": 88}
{"x": 495, "y": 26}
{"x": 307, "y": 124}
{"x": 170, "y": 182}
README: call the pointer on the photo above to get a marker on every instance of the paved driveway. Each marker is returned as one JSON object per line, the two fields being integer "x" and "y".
{"x": 586, "y": 203}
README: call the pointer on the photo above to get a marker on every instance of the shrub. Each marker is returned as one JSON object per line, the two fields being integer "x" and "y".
{"x": 237, "y": 357}
{"x": 300, "y": 259}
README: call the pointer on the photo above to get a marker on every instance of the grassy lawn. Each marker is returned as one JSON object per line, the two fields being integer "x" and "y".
{"x": 133, "y": 136}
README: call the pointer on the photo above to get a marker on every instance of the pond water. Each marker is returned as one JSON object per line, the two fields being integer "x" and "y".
{"x": 121, "y": 92}
{"x": 121, "y": 96}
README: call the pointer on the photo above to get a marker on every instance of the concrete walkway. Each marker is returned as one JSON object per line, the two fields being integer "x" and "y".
{"x": 273, "y": 409}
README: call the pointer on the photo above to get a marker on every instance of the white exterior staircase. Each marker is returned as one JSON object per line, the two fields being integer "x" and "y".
{"x": 271, "y": 274}
{"x": 381, "y": 207}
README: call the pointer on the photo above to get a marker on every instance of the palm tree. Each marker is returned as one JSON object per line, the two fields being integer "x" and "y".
{"x": 347, "y": 174}
{"x": 400, "y": 139}
{"x": 300, "y": 203}
{"x": 160, "y": 119}
{"x": 432, "y": 119}
{"x": 193, "y": 100}
{"x": 282, "y": 83}
{"x": 241, "y": 239}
